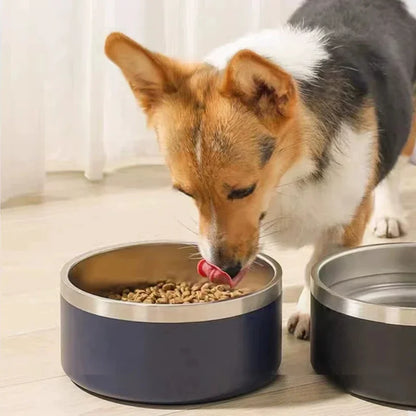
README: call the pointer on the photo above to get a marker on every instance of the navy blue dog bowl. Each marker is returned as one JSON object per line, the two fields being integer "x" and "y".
{"x": 166, "y": 354}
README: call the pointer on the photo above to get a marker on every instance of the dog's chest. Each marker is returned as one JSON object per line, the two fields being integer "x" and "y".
{"x": 305, "y": 209}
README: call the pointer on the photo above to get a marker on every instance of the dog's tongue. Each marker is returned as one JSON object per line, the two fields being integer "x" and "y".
{"x": 216, "y": 275}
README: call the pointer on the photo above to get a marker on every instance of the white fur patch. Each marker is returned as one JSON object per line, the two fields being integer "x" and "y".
{"x": 411, "y": 6}
{"x": 298, "y": 51}
{"x": 205, "y": 249}
{"x": 207, "y": 242}
{"x": 304, "y": 211}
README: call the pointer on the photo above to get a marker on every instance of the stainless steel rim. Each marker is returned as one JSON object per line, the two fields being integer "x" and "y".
{"x": 140, "y": 312}
{"x": 394, "y": 315}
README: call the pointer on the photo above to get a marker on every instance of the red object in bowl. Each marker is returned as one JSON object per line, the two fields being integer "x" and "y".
{"x": 216, "y": 275}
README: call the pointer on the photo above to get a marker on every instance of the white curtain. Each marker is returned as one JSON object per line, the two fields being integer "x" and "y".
{"x": 64, "y": 106}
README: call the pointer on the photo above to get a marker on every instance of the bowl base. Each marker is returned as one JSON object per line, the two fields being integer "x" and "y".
{"x": 139, "y": 403}
{"x": 384, "y": 403}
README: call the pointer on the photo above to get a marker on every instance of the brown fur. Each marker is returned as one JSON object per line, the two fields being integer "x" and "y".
{"x": 411, "y": 141}
{"x": 210, "y": 125}
{"x": 354, "y": 232}
{"x": 150, "y": 75}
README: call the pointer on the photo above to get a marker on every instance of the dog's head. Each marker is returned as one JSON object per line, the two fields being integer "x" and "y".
{"x": 227, "y": 136}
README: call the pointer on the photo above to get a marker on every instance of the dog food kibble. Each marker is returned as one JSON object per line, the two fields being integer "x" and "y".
{"x": 167, "y": 291}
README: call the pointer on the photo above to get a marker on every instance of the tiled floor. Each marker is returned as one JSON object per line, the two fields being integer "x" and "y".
{"x": 74, "y": 216}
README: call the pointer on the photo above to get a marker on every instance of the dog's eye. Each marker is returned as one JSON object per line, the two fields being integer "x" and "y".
{"x": 241, "y": 193}
{"x": 178, "y": 188}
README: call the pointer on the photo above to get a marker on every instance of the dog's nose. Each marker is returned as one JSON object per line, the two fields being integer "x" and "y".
{"x": 233, "y": 269}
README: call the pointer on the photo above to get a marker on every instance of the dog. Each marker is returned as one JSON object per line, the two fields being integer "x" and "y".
{"x": 308, "y": 123}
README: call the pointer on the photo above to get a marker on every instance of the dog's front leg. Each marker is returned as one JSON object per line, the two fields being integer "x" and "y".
{"x": 329, "y": 242}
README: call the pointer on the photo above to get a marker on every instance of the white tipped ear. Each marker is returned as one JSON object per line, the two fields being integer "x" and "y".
{"x": 149, "y": 74}
{"x": 260, "y": 84}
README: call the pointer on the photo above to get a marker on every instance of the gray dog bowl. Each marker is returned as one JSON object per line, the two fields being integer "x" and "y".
{"x": 166, "y": 354}
{"x": 363, "y": 330}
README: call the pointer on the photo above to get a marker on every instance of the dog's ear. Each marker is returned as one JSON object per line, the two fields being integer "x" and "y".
{"x": 150, "y": 75}
{"x": 260, "y": 84}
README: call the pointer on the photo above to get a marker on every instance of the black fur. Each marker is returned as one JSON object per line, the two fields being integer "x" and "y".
{"x": 372, "y": 48}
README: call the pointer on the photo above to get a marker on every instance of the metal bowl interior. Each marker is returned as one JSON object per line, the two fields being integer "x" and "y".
{"x": 87, "y": 277}
{"x": 135, "y": 265}
{"x": 372, "y": 282}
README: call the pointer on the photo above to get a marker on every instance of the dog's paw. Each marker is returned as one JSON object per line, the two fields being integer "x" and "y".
{"x": 299, "y": 324}
{"x": 389, "y": 227}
